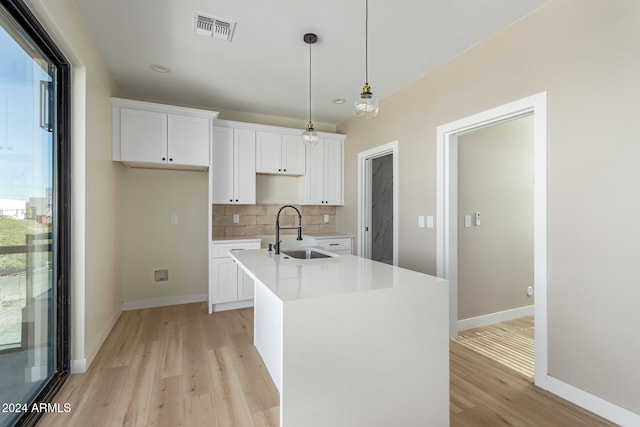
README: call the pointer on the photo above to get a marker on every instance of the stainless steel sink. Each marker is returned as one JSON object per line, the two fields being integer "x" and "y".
{"x": 307, "y": 253}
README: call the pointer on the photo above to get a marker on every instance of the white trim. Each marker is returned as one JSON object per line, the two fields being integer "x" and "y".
{"x": 446, "y": 194}
{"x": 163, "y": 302}
{"x": 446, "y": 231}
{"x": 233, "y": 305}
{"x": 490, "y": 319}
{"x": 78, "y": 366}
{"x": 595, "y": 404}
{"x": 363, "y": 157}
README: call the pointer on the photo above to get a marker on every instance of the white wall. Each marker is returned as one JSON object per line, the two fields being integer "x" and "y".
{"x": 585, "y": 54}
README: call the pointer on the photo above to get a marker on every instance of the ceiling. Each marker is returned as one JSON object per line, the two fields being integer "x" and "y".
{"x": 265, "y": 67}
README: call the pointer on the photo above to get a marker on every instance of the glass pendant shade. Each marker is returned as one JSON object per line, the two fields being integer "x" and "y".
{"x": 310, "y": 136}
{"x": 366, "y": 106}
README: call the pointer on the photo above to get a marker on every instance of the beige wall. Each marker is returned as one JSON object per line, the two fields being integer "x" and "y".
{"x": 151, "y": 242}
{"x": 495, "y": 178}
{"x": 96, "y": 291}
{"x": 586, "y": 54}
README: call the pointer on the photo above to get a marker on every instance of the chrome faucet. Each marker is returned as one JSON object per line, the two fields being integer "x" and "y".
{"x": 278, "y": 228}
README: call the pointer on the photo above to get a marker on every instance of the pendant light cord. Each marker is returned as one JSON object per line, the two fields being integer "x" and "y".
{"x": 309, "y": 82}
{"x": 366, "y": 43}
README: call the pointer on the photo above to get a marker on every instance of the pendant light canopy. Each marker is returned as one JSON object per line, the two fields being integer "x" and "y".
{"x": 366, "y": 106}
{"x": 309, "y": 135}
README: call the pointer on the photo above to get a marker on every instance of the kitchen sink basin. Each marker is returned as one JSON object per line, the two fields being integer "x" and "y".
{"x": 307, "y": 253}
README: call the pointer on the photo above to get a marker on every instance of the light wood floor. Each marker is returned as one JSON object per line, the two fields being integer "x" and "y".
{"x": 179, "y": 366}
{"x": 510, "y": 343}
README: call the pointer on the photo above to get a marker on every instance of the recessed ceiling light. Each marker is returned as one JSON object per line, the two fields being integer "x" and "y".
{"x": 339, "y": 101}
{"x": 160, "y": 68}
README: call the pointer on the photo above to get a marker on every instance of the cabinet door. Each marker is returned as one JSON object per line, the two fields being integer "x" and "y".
{"x": 221, "y": 169}
{"x": 268, "y": 152}
{"x": 245, "y": 286}
{"x": 312, "y": 183}
{"x": 244, "y": 162}
{"x": 143, "y": 136}
{"x": 188, "y": 140}
{"x": 333, "y": 172}
{"x": 225, "y": 281}
{"x": 293, "y": 155}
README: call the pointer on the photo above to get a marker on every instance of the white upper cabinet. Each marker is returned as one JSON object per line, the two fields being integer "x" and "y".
{"x": 279, "y": 153}
{"x": 161, "y": 136}
{"x": 323, "y": 184}
{"x": 233, "y": 166}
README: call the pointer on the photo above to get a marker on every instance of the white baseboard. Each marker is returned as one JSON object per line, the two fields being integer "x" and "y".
{"x": 490, "y": 319}
{"x": 163, "y": 302}
{"x": 601, "y": 407}
{"x": 232, "y": 305}
{"x": 79, "y": 366}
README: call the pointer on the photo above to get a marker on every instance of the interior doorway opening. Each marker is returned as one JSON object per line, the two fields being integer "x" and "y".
{"x": 447, "y": 208}
{"x": 378, "y": 203}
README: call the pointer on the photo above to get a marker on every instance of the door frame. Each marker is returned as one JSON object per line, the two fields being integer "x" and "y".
{"x": 447, "y": 208}
{"x": 364, "y": 196}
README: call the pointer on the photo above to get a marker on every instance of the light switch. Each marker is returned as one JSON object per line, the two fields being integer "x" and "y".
{"x": 420, "y": 221}
{"x": 429, "y": 221}
{"x": 467, "y": 221}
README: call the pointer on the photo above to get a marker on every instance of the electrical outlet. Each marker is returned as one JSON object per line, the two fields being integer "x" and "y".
{"x": 326, "y": 219}
{"x": 173, "y": 219}
{"x": 236, "y": 218}
{"x": 161, "y": 275}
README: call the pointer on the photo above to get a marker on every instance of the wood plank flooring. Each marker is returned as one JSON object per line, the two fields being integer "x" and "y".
{"x": 179, "y": 366}
{"x": 510, "y": 343}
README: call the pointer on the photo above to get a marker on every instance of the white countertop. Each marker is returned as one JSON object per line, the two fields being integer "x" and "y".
{"x": 292, "y": 279}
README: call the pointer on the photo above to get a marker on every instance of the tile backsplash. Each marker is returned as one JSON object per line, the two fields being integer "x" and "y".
{"x": 259, "y": 220}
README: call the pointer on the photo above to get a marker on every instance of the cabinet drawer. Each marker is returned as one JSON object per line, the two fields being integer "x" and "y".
{"x": 221, "y": 250}
{"x": 335, "y": 244}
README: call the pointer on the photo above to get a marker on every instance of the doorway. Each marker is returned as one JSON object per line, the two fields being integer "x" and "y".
{"x": 378, "y": 203}
{"x": 447, "y": 208}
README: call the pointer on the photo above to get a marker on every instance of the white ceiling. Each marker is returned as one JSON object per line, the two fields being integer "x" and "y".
{"x": 265, "y": 70}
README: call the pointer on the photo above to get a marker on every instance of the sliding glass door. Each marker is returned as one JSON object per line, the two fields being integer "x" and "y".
{"x": 34, "y": 352}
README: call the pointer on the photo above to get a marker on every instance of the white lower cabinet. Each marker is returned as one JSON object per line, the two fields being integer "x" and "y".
{"x": 229, "y": 286}
{"x": 339, "y": 245}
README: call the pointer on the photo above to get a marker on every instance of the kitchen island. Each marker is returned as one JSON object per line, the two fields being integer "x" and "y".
{"x": 351, "y": 342}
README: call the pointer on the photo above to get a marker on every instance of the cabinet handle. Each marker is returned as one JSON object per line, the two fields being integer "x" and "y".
{"x": 285, "y": 170}
{"x": 171, "y": 159}
{"x": 334, "y": 244}
{"x": 231, "y": 200}
{"x": 279, "y": 170}
{"x": 237, "y": 200}
{"x": 164, "y": 158}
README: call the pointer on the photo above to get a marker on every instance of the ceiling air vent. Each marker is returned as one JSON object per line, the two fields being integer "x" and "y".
{"x": 211, "y": 26}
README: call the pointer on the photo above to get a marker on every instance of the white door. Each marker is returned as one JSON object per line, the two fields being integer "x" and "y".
{"x": 188, "y": 140}
{"x": 143, "y": 136}
{"x": 333, "y": 172}
{"x": 293, "y": 155}
{"x": 268, "y": 152}
{"x": 244, "y": 162}
{"x": 222, "y": 166}
{"x": 225, "y": 281}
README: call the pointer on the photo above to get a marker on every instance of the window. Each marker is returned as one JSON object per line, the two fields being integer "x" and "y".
{"x": 34, "y": 216}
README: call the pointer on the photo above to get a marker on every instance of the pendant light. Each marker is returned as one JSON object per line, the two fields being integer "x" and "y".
{"x": 366, "y": 106}
{"x": 309, "y": 135}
